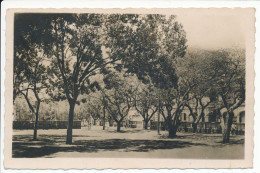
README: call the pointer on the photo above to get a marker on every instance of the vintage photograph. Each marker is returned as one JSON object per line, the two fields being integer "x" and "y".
{"x": 152, "y": 85}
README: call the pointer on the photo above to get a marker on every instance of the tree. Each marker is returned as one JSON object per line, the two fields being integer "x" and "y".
{"x": 29, "y": 68}
{"x": 197, "y": 110}
{"x": 36, "y": 83}
{"x": 219, "y": 78}
{"x": 150, "y": 48}
{"x": 149, "y": 44}
{"x": 229, "y": 77}
{"x": 76, "y": 56}
{"x": 94, "y": 106}
{"x": 194, "y": 68}
{"x": 118, "y": 96}
{"x": 172, "y": 103}
{"x": 29, "y": 42}
{"x": 145, "y": 102}
{"x": 104, "y": 113}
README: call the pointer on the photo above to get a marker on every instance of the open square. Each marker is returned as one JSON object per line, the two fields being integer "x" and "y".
{"x": 130, "y": 143}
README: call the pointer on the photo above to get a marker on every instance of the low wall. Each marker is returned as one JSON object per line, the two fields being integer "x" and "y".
{"x": 45, "y": 124}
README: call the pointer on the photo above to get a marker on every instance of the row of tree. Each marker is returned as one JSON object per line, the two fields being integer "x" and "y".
{"x": 129, "y": 61}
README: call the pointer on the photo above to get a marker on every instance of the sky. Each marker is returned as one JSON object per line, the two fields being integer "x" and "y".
{"x": 213, "y": 31}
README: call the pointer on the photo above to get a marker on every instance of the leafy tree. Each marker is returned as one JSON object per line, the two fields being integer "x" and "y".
{"x": 150, "y": 46}
{"x": 194, "y": 68}
{"x": 218, "y": 78}
{"x": 197, "y": 108}
{"x": 118, "y": 96}
{"x": 146, "y": 102}
{"x": 29, "y": 68}
{"x": 36, "y": 83}
{"x": 30, "y": 37}
{"x": 229, "y": 82}
{"x": 104, "y": 113}
{"x": 172, "y": 103}
{"x": 77, "y": 56}
{"x": 94, "y": 107}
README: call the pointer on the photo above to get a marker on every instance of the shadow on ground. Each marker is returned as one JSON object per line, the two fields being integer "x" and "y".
{"x": 23, "y": 146}
{"x": 130, "y": 131}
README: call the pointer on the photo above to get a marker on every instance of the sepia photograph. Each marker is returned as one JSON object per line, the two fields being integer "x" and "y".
{"x": 165, "y": 84}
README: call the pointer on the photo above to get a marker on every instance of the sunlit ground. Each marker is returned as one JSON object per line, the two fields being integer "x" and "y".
{"x": 128, "y": 143}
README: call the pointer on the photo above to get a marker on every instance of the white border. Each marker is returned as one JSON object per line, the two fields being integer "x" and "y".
{"x": 136, "y": 4}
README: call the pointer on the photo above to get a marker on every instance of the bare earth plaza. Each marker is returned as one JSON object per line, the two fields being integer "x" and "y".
{"x": 129, "y": 143}
{"x": 115, "y": 85}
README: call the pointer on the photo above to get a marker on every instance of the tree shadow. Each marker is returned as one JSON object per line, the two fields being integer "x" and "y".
{"x": 232, "y": 142}
{"x": 46, "y": 147}
{"x": 130, "y": 131}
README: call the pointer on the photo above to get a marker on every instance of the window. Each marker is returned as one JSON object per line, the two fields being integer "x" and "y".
{"x": 184, "y": 117}
{"x": 241, "y": 117}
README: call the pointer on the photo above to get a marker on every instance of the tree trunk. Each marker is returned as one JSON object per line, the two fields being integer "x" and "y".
{"x": 195, "y": 123}
{"x": 196, "y": 120}
{"x": 118, "y": 126}
{"x": 227, "y": 127}
{"x": 36, "y": 121}
{"x": 173, "y": 125}
{"x": 158, "y": 120}
{"x": 104, "y": 118}
{"x": 195, "y": 127}
{"x": 146, "y": 124}
{"x": 174, "y": 132}
{"x": 171, "y": 130}
{"x": 70, "y": 123}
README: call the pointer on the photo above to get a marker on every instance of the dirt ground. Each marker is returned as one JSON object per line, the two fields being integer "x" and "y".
{"x": 130, "y": 143}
